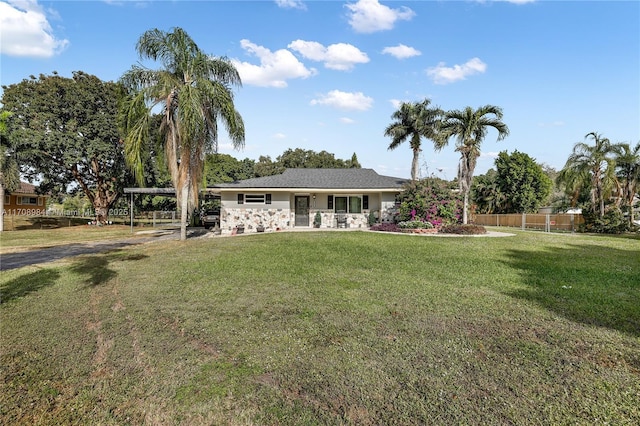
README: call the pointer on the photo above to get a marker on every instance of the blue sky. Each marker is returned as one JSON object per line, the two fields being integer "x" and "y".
{"x": 327, "y": 75}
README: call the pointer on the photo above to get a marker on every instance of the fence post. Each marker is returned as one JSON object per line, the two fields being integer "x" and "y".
{"x": 524, "y": 221}
{"x": 154, "y": 218}
{"x": 573, "y": 229}
{"x": 547, "y": 223}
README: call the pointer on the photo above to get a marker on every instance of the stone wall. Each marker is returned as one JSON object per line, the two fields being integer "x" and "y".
{"x": 281, "y": 219}
{"x": 354, "y": 220}
{"x": 271, "y": 219}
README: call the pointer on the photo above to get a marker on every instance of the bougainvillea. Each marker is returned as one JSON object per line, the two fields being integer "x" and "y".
{"x": 430, "y": 200}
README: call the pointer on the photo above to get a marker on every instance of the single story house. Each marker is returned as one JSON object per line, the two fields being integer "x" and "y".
{"x": 25, "y": 201}
{"x": 292, "y": 199}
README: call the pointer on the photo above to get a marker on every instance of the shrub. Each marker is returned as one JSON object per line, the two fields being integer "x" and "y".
{"x": 431, "y": 200}
{"x": 460, "y": 229}
{"x": 371, "y": 219}
{"x": 415, "y": 224}
{"x": 386, "y": 227}
{"x": 613, "y": 222}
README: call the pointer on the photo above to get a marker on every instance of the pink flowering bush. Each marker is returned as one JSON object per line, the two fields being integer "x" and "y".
{"x": 430, "y": 200}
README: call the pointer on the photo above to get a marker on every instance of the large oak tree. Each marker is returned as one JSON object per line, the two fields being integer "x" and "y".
{"x": 66, "y": 135}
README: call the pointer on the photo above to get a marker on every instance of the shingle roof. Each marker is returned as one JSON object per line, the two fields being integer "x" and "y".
{"x": 25, "y": 188}
{"x": 321, "y": 179}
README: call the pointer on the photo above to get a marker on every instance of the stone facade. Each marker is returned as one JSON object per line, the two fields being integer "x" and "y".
{"x": 251, "y": 218}
{"x": 281, "y": 219}
{"x": 354, "y": 220}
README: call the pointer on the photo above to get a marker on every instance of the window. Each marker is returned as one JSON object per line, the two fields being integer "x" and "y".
{"x": 7, "y": 199}
{"x": 31, "y": 201}
{"x": 254, "y": 198}
{"x": 330, "y": 202}
{"x": 365, "y": 202}
{"x": 355, "y": 205}
{"x": 351, "y": 204}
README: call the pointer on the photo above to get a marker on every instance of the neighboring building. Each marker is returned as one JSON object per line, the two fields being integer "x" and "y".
{"x": 24, "y": 201}
{"x": 291, "y": 199}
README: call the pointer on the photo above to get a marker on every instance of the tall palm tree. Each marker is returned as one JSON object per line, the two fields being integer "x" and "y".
{"x": 414, "y": 121}
{"x": 194, "y": 92}
{"x": 628, "y": 166}
{"x": 470, "y": 127}
{"x": 593, "y": 166}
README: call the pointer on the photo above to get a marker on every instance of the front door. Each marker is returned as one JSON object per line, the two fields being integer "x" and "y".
{"x": 302, "y": 210}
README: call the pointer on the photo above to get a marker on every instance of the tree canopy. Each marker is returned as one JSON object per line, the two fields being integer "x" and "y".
{"x": 221, "y": 168}
{"x": 301, "y": 158}
{"x": 65, "y": 132}
{"x": 414, "y": 121}
{"x": 522, "y": 183}
{"x": 593, "y": 167}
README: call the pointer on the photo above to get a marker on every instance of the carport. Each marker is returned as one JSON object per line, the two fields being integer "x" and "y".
{"x": 167, "y": 192}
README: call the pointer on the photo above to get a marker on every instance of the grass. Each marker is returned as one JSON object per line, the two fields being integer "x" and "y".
{"x": 328, "y": 328}
{"x": 33, "y": 238}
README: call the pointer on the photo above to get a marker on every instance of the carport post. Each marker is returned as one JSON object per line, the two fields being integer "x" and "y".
{"x": 131, "y": 212}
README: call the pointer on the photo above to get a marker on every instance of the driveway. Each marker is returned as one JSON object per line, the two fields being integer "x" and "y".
{"x": 51, "y": 254}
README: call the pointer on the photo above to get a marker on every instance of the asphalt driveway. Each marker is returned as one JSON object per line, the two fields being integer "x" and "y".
{"x": 51, "y": 254}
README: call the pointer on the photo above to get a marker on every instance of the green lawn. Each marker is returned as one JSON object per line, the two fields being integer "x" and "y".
{"x": 30, "y": 239}
{"x": 328, "y": 328}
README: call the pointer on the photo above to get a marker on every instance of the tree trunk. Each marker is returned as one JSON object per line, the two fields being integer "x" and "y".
{"x": 1, "y": 205}
{"x": 101, "y": 205}
{"x": 415, "y": 164}
{"x": 184, "y": 209}
{"x": 465, "y": 208}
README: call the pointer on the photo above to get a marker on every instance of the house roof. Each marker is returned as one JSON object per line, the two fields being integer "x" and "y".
{"x": 320, "y": 179}
{"x": 25, "y": 188}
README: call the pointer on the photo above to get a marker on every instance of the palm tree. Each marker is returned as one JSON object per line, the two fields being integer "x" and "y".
{"x": 194, "y": 92}
{"x": 470, "y": 127}
{"x": 414, "y": 120}
{"x": 628, "y": 166}
{"x": 486, "y": 194}
{"x": 592, "y": 166}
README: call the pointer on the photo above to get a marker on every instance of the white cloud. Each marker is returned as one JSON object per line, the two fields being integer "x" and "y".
{"x": 25, "y": 30}
{"x": 275, "y": 67}
{"x": 368, "y": 16}
{"x": 347, "y": 120}
{"x": 395, "y": 103}
{"x": 345, "y": 100}
{"x": 279, "y": 136}
{"x": 441, "y": 74}
{"x": 340, "y": 56}
{"x": 291, "y": 4}
{"x": 401, "y": 51}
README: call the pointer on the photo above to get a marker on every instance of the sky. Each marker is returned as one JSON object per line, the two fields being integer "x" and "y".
{"x": 328, "y": 75}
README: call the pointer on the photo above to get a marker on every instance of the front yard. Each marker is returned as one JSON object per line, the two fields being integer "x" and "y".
{"x": 328, "y": 328}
